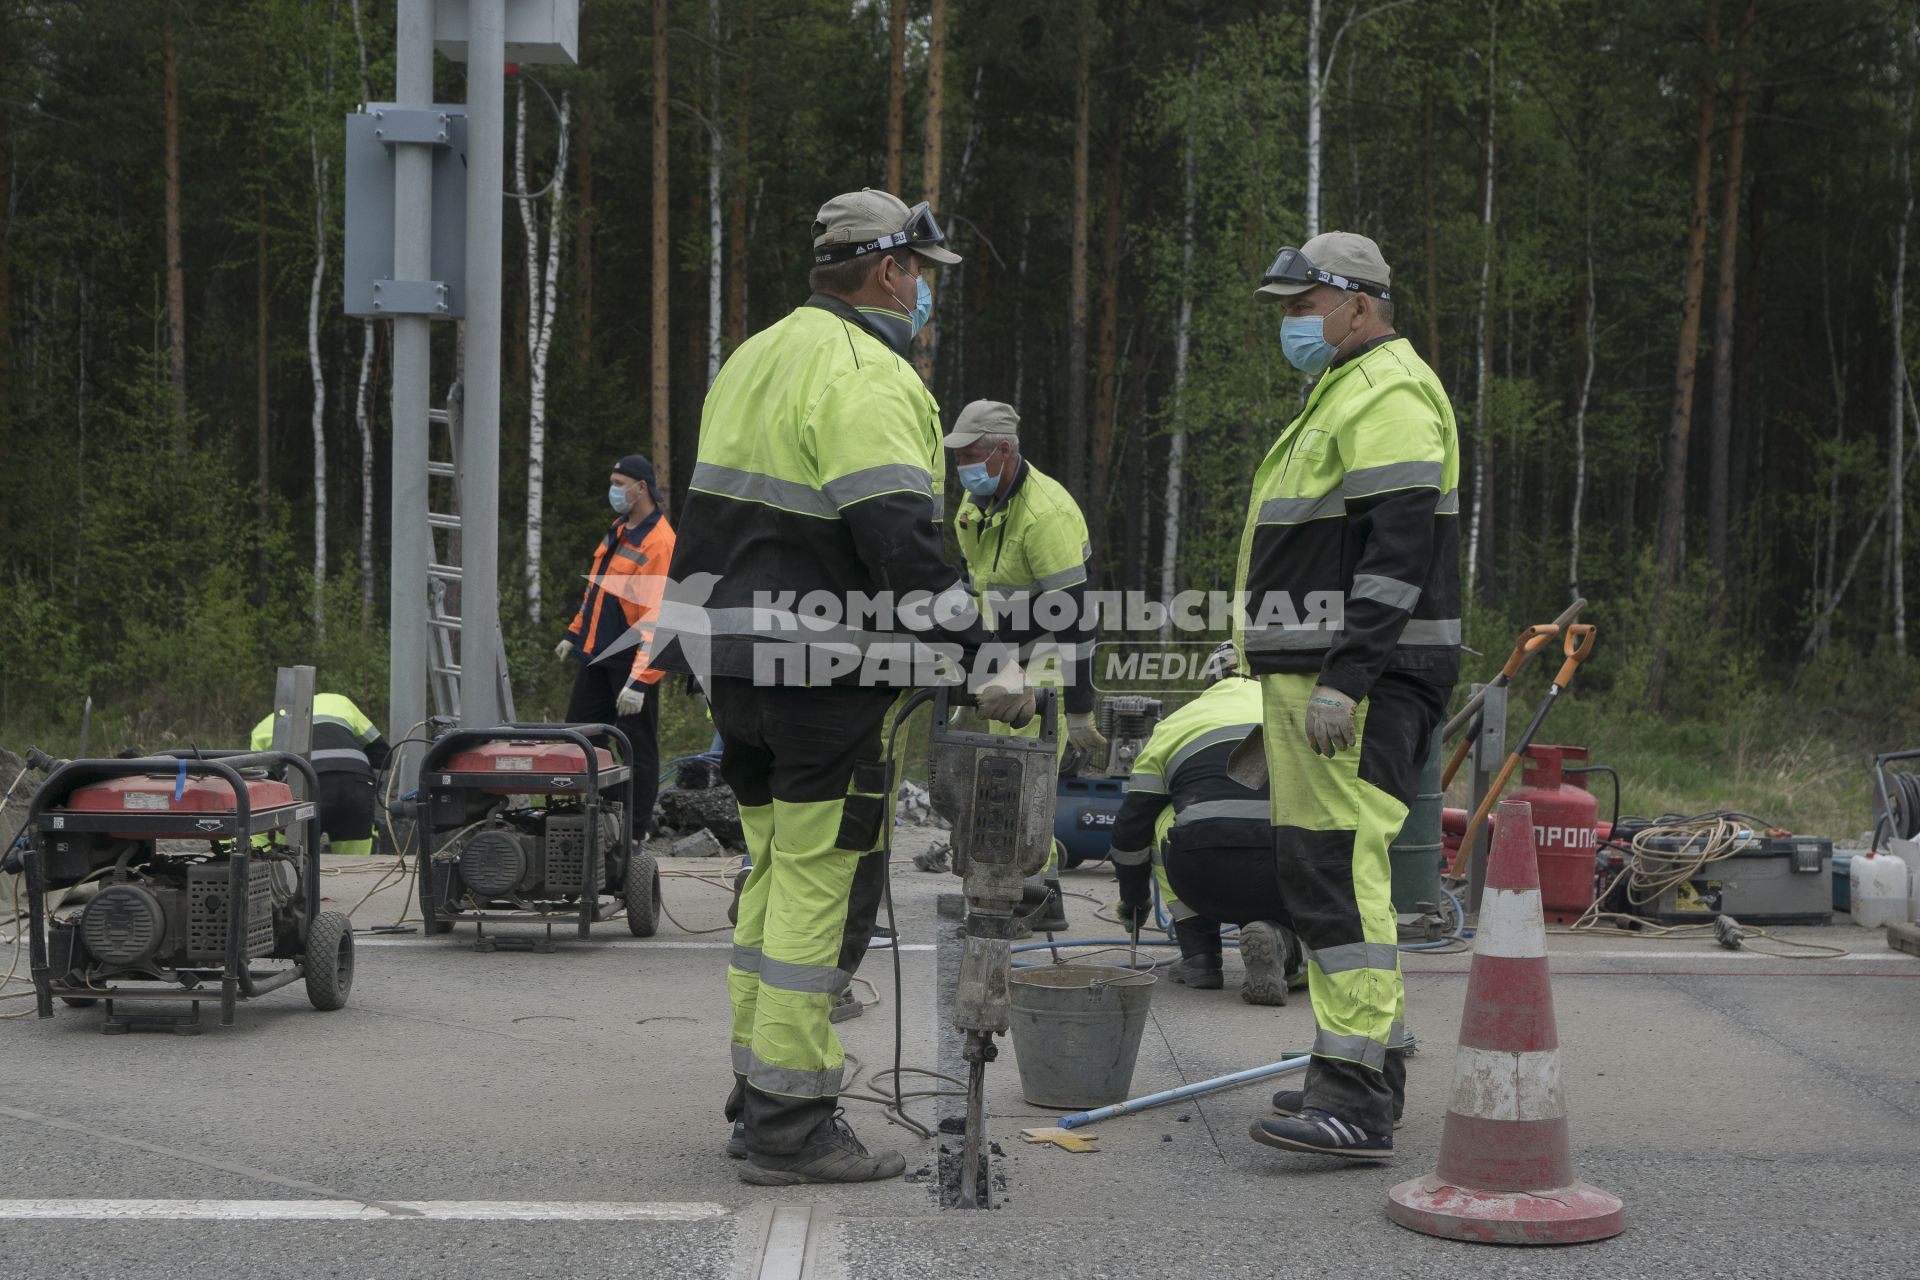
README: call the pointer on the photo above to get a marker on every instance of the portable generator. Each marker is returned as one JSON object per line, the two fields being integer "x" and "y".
{"x": 192, "y": 880}
{"x": 1088, "y": 802}
{"x": 532, "y": 823}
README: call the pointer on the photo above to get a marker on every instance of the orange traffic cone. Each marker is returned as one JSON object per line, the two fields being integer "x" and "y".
{"x": 1505, "y": 1175}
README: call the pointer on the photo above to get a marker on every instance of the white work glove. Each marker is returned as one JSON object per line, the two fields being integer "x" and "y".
{"x": 632, "y": 701}
{"x": 1007, "y": 697}
{"x": 563, "y": 650}
{"x": 1085, "y": 736}
{"x": 1329, "y": 721}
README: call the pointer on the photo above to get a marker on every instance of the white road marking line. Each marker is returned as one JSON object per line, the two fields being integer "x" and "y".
{"x": 361, "y": 1211}
{"x": 1714, "y": 953}
{"x": 784, "y": 1254}
{"x": 617, "y": 944}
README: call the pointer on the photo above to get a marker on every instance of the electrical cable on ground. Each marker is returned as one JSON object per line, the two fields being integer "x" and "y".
{"x": 1650, "y": 872}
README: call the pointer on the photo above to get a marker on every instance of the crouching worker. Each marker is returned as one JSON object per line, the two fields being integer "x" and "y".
{"x": 347, "y": 750}
{"x": 1208, "y": 841}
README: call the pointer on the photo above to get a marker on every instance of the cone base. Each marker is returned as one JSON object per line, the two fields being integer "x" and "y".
{"x": 1572, "y": 1214}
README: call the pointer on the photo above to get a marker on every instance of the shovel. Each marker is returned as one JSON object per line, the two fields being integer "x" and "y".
{"x": 1531, "y": 641}
{"x": 1577, "y": 645}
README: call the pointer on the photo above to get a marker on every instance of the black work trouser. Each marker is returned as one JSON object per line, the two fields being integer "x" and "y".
{"x": 596, "y": 700}
{"x": 1220, "y": 885}
{"x": 347, "y": 809}
{"x": 808, "y": 769}
{"x": 1334, "y": 820}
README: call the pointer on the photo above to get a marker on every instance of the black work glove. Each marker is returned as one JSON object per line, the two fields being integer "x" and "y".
{"x": 1134, "y": 915}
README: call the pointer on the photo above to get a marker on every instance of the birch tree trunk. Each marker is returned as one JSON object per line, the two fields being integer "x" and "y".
{"x": 662, "y": 263}
{"x": 262, "y": 278}
{"x": 1430, "y": 216}
{"x": 1673, "y": 497}
{"x": 362, "y": 402}
{"x": 1315, "y": 92}
{"x": 319, "y": 423}
{"x": 1182, "y": 338}
{"x": 1482, "y": 449}
{"x": 176, "y": 258}
{"x": 542, "y": 301}
{"x": 1589, "y": 305}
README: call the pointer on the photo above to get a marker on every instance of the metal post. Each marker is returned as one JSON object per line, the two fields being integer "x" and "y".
{"x": 480, "y": 448}
{"x": 1489, "y": 754}
{"x": 412, "y": 375}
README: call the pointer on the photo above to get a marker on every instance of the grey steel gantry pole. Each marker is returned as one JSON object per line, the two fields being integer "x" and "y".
{"x": 480, "y": 447}
{"x": 412, "y": 377}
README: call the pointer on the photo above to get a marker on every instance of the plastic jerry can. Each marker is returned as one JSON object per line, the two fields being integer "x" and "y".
{"x": 1877, "y": 887}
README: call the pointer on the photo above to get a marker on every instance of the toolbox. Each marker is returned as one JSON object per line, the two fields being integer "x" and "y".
{"x": 1767, "y": 880}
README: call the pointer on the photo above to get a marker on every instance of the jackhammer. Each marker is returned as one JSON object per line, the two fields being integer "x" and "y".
{"x": 998, "y": 792}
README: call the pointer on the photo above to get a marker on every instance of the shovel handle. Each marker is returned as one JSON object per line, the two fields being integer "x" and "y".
{"x": 1578, "y": 644}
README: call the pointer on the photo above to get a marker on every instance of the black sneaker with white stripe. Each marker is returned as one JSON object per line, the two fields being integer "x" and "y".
{"x": 1322, "y": 1133}
{"x": 1291, "y": 1102}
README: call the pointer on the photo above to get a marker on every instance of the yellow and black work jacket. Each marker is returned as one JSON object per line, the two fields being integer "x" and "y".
{"x": 814, "y": 514}
{"x": 623, "y": 597}
{"x": 1027, "y": 558}
{"x": 344, "y": 740}
{"x": 1180, "y": 797}
{"x": 1350, "y": 561}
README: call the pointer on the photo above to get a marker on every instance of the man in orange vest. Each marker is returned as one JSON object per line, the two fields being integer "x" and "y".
{"x": 609, "y": 636}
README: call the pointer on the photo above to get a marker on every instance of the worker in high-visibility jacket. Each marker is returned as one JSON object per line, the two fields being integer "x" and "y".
{"x": 346, "y": 751}
{"x": 609, "y": 635}
{"x": 1208, "y": 842}
{"x": 817, "y": 491}
{"x": 1026, "y": 548}
{"x": 1351, "y": 564}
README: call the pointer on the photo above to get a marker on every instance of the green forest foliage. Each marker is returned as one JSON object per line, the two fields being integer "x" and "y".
{"x": 137, "y": 562}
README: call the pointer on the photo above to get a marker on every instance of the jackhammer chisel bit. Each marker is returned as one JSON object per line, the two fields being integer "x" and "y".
{"x": 997, "y": 791}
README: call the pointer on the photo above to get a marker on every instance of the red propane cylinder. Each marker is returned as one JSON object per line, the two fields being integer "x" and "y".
{"x": 1565, "y": 818}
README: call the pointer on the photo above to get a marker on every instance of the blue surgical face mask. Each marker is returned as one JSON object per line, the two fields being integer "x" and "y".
{"x": 618, "y": 499}
{"x": 1303, "y": 339}
{"x": 977, "y": 480}
{"x": 922, "y": 305}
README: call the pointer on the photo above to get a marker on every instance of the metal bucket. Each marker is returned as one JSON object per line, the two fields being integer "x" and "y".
{"x": 1076, "y": 1032}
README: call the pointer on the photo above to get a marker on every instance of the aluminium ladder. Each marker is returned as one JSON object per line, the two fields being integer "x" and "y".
{"x": 443, "y": 574}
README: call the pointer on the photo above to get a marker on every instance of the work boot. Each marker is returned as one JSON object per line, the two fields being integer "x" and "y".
{"x": 832, "y": 1154}
{"x": 1291, "y": 1102}
{"x": 737, "y": 1143}
{"x": 1269, "y": 952}
{"x": 846, "y": 1008}
{"x": 1322, "y": 1133}
{"x": 1202, "y": 973}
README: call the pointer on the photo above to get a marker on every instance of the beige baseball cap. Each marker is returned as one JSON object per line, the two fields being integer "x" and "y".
{"x": 867, "y": 221}
{"x": 1342, "y": 253}
{"x": 983, "y": 420}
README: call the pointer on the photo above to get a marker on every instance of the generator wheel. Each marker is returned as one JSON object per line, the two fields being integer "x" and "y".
{"x": 642, "y": 893}
{"x": 79, "y": 1002}
{"x": 329, "y": 960}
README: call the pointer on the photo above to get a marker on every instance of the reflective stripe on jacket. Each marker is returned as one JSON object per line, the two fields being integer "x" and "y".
{"x": 344, "y": 740}
{"x": 818, "y": 477}
{"x": 1350, "y": 559}
{"x": 1180, "y": 796}
{"x": 624, "y": 588}
{"x": 1030, "y": 546}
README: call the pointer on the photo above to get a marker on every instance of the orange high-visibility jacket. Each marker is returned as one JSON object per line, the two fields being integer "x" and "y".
{"x": 629, "y": 575}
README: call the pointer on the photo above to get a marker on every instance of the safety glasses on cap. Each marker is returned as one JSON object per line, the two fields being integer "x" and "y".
{"x": 920, "y": 228}
{"x": 1292, "y": 267}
